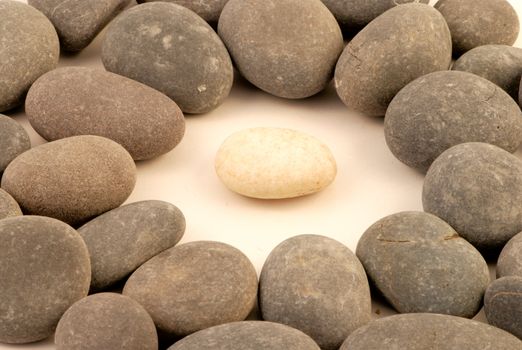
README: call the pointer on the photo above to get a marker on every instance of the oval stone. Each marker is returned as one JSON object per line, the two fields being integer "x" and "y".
{"x": 14, "y": 140}
{"x": 45, "y": 268}
{"x": 317, "y": 285}
{"x": 209, "y": 10}
{"x": 74, "y": 101}
{"x": 503, "y": 304}
{"x": 444, "y": 109}
{"x": 8, "y": 206}
{"x": 510, "y": 260}
{"x": 72, "y": 179}
{"x": 170, "y": 48}
{"x": 254, "y": 163}
{"x": 124, "y": 238}
{"x": 405, "y": 43}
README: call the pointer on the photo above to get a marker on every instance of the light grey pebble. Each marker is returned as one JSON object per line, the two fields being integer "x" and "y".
{"x": 173, "y": 50}
{"x": 45, "y": 268}
{"x": 72, "y": 179}
{"x": 195, "y": 286}
{"x": 29, "y": 48}
{"x": 444, "y": 109}
{"x": 8, "y": 206}
{"x": 106, "y": 321}
{"x": 503, "y": 304}
{"x": 477, "y": 189}
{"x": 209, "y": 10}
{"x": 510, "y": 259}
{"x": 74, "y": 101}
{"x": 14, "y": 140}
{"x": 403, "y": 44}
{"x": 317, "y": 285}
{"x": 124, "y": 238}
{"x": 287, "y": 48}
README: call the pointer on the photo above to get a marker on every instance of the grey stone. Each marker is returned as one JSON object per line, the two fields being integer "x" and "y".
{"x": 429, "y": 332}
{"x": 510, "y": 259}
{"x": 403, "y": 44}
{"x": 317, "y": 285}
{"x": 30, "y": 47}
{"x": 479, "y": 22}
{"x": 14, "y": 140}
{"x": 209, "y": 10}
{"x": 503, "y": 304}
{"x": 8, "y": 206}
{"x": 84, "y": 101}
{"x": 173, "y": 50}
{"x": 78, "y": 21}
{"x": 106, "y": 321}
{"x": 195, "y": 286}
{"x": 72, "y": 179}
{"x": 247, "y": 335}
{"x": 477, "y": 189}
{"x": 45, "y": 268}
{"x": 287, "y": 48}
{"x": 444, "y": 109}
{"x": 124, "y": 238}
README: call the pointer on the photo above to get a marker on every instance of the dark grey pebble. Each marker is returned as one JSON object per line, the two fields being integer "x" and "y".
{"x": 503, "y": 304}
{"x": 317, "y": 285}
{"x": 209, "y": 10}
{"x": 510, "y": 260}
{"x": 14, "y": 140}
{"x": 8, "y": 206}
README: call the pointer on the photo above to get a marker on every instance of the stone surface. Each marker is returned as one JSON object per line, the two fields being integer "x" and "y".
{"x": 74, "y": 101}
{"x": 317, "y": 285}
{"x": 171, "y": 49}
{"x": 287, "y": 48}
{"x": 475, "y": 23}
{"x": 249, "y": 335}
{"x": 78, "y": 21}
{"x": 14, "y": 140}
{"x": 72, "y": 179}
{"x": 106, "y": 321}
{"x": 209, "y": 10}
{"x": 405, "y": 43}
{"x": 45, "y": 268}
{"x": 444, "y": 109}
{"x": 254, "y": 163}
{"x": 429, "y": 331}
{"x": 510, "y": 260}
{"x": 477, "y": 189}
{"x": 195, "y": 286}
{"x": 503, "y": 304}
{"x": 30, "y": 47}
{"x": 420, "y": 264}
{"x": 124, "y": 238}
{"x": 8, "y": 206}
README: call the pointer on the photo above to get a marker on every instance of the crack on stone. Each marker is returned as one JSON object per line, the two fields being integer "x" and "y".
{"x": 453, "y": 236}
{"x": 395, "y": 240}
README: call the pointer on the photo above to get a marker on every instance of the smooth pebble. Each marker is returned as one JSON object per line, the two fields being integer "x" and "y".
{"x": 14, "y": 140}
{"x": 503, "y": 304}
{"x": 510, "y": 259}
{"x": 8, "y": 206}
{"x": 209, "y": 10}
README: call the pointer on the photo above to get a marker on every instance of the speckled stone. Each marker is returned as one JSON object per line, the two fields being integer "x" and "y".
{"x": 510, "y": 260}
{"x": 30, "y": 47}
{"x": 252, "y": 335}
{"x": 477, "y": 189}
{"x": 405, "y": 43}
{"x": 8, "y": 206}
{"x": 503, "y": 304}
{"x": 209, "y": 10}
{"x": 317, "y": 285}
{"x": 444, "y": 109}
{"x": 287, "y": 48}
{"x": 173, "y": 50}
{"x": 72, "y": 179}
{"x": 78, "y": 21}
{"x": 45, "y": 268}
{"x": 195, "y": 286}
{"x": 106, "y": 321}
{"x": 429, "y": 332}
{"x": 74, "y": 101}
{"x": 420, "y": 264}
{"x": 14, "y": 140}
{"x": 124, "y": 238}
{"x": 475, "y": 23}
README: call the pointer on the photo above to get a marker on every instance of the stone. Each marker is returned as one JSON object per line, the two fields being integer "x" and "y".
{"x": 256, "y": 335}
{"x": 475, "y": 23}
{"x": 444, "y": 109}
{"x": 503, "y": 304}
{"x": 30, "y": 47}
{"x": 14, "y": 140}
{"x": 510, "y": 259}
{"x": 403, "y": 44}
{"x": 106, "y": 321}
{"x": 194, "y": 286}
{"x": 78, "y": 21}
{"x": 317, "y": 285}
{"x": 74, "y": 101}
{"x": 209, "y": 10}
{"x": 8, "y": 206}
{"x": 476, "y": 188}
{"x": 72, "y": 179}
{"x": 123, "y": 239}
{"x": 420, "y": 264}
{"x": 429, "y": 331}
{"x": 170, "y": 48}
{"x": 287, "y": 48}
{"x": 45, "y": 268}
{"x": 254, "y": 163}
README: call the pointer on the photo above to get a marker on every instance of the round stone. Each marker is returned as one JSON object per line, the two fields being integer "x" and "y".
{"x": 287, "y": 48}
{"x": 503, "y": 304}
{"x": 14, "y": 140}
{"x": 209, "y": 10}
{"x": 510, "y": 260}
{"x": 8, "y": 206}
